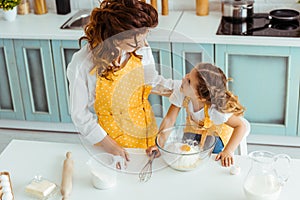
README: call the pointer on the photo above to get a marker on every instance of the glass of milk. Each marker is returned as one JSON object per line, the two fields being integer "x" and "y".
{"x": 266, "y": 177}
{"x": 103, "y": 168}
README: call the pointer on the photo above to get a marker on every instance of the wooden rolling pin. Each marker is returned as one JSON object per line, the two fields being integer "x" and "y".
{"x": 164, "y": 7}
{"x": 66, "y": 183}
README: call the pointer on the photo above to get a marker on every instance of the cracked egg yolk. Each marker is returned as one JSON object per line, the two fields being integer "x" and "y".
{"x": 185, "y": 147}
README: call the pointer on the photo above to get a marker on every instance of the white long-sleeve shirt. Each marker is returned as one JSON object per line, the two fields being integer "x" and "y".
{"x": 82, "y": 89}
{"x": 217, "y": 117}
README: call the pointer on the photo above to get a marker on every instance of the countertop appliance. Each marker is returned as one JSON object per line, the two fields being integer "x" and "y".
{"x": 260, "y": 25}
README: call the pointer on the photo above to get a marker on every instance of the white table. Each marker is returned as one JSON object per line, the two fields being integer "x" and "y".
{"x": 25, "y": 159}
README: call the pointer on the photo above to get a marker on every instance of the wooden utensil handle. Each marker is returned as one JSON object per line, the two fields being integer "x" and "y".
{"x": 66, "y": 183}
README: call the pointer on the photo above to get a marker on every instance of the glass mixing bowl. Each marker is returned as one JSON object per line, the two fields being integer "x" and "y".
{"x": 185, "y": 148}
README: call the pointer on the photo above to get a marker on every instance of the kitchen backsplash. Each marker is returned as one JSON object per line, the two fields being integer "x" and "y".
{"x": 215, "y": 5}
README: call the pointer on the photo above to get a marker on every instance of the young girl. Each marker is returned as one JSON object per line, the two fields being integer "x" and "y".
{"x": 112, "y": 76}
{"x": 208, "y": 102}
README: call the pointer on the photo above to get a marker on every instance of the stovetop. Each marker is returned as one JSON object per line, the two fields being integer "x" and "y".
{"x": 260, "y": 25}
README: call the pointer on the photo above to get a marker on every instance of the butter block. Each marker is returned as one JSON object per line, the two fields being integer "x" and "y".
{"x": 40, "y": 189}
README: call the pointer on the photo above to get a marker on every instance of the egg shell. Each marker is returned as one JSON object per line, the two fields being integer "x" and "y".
{"x": 235, "y": 170}
{"x": 5, "y": 183}
{"x": 6, "y": 189}
{"x": 7, "y": 196}
{"x": 4, "y": 178}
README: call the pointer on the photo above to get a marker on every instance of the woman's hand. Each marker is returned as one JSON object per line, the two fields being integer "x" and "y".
{"x": 150, "y": 150}
{"x": 226, "y": 158}
{"x": 110, "y": 146}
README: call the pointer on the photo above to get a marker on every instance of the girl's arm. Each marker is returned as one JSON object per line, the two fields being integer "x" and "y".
{"x": 239, "y": 130}
{"x": 170, "y": 118}
{"x": 168, "y": 121}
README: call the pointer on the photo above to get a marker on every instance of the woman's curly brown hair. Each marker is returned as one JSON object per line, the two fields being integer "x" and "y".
{"x": 116, "y": 20}
{"x": 212, "y": 86}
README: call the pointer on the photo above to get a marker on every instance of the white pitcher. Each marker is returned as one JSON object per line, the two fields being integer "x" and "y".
{"x": 266, "y": 177}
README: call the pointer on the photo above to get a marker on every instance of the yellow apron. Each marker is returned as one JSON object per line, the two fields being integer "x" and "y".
{"x": 122, "y": 106}
{"x": 223, "y": 131}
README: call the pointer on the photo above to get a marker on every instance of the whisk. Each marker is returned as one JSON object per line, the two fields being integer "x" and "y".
{"x": 146, "y": 173}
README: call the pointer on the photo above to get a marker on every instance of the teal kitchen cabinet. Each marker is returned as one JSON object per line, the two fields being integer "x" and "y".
{"x": 266, "y": 80}
{"x": 11, "y": 105}
{"x": 63, "y": 51}
{"x": 163, "y": 63}
{"x": 28, "y": 89}
{"x": 185, "y": 56}
{"x": 37, "y": 80}
{"x": 298, "y": 133}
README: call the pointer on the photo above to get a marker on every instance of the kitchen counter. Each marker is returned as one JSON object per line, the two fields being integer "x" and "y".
{"x": 47, "y": 26}
{"x": 25, "y": 159}
{"x": 176, "y": 27}
{"x": 195, "y": 29}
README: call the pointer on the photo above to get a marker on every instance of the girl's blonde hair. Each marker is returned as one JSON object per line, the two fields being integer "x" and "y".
{"x": 116, "y": 20}
{"x": 212, "y": 86}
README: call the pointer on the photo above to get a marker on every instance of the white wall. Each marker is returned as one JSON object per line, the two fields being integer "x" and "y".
{"x": 215, "y": 5}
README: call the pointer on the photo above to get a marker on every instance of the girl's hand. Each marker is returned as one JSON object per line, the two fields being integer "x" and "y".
{"x": 110, "y": 146}
{"x": 149, "y": 151}
{"x": 226, "y": 158}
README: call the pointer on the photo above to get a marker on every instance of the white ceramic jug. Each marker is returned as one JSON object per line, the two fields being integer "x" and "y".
{"x": 269, "y": 172}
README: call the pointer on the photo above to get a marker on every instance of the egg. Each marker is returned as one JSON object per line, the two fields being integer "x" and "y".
{"x": 184, "y": 162}
{"x": 4, "y": 178}
{"x": 5, "y": 183}
{"x": 185, "y": 147}
{"x": 235, "y": 170}
{"x": 6, "y": 189}
{"x": 7, "y": 196}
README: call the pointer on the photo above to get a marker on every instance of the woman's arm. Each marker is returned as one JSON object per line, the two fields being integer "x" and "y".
{"x": 239, "y": 130}
{"x": 82, "y": 84}
{"x": 158, "y": 82}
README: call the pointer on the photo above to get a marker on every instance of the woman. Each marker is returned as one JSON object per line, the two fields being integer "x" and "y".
{"x": 112, "y": 76}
